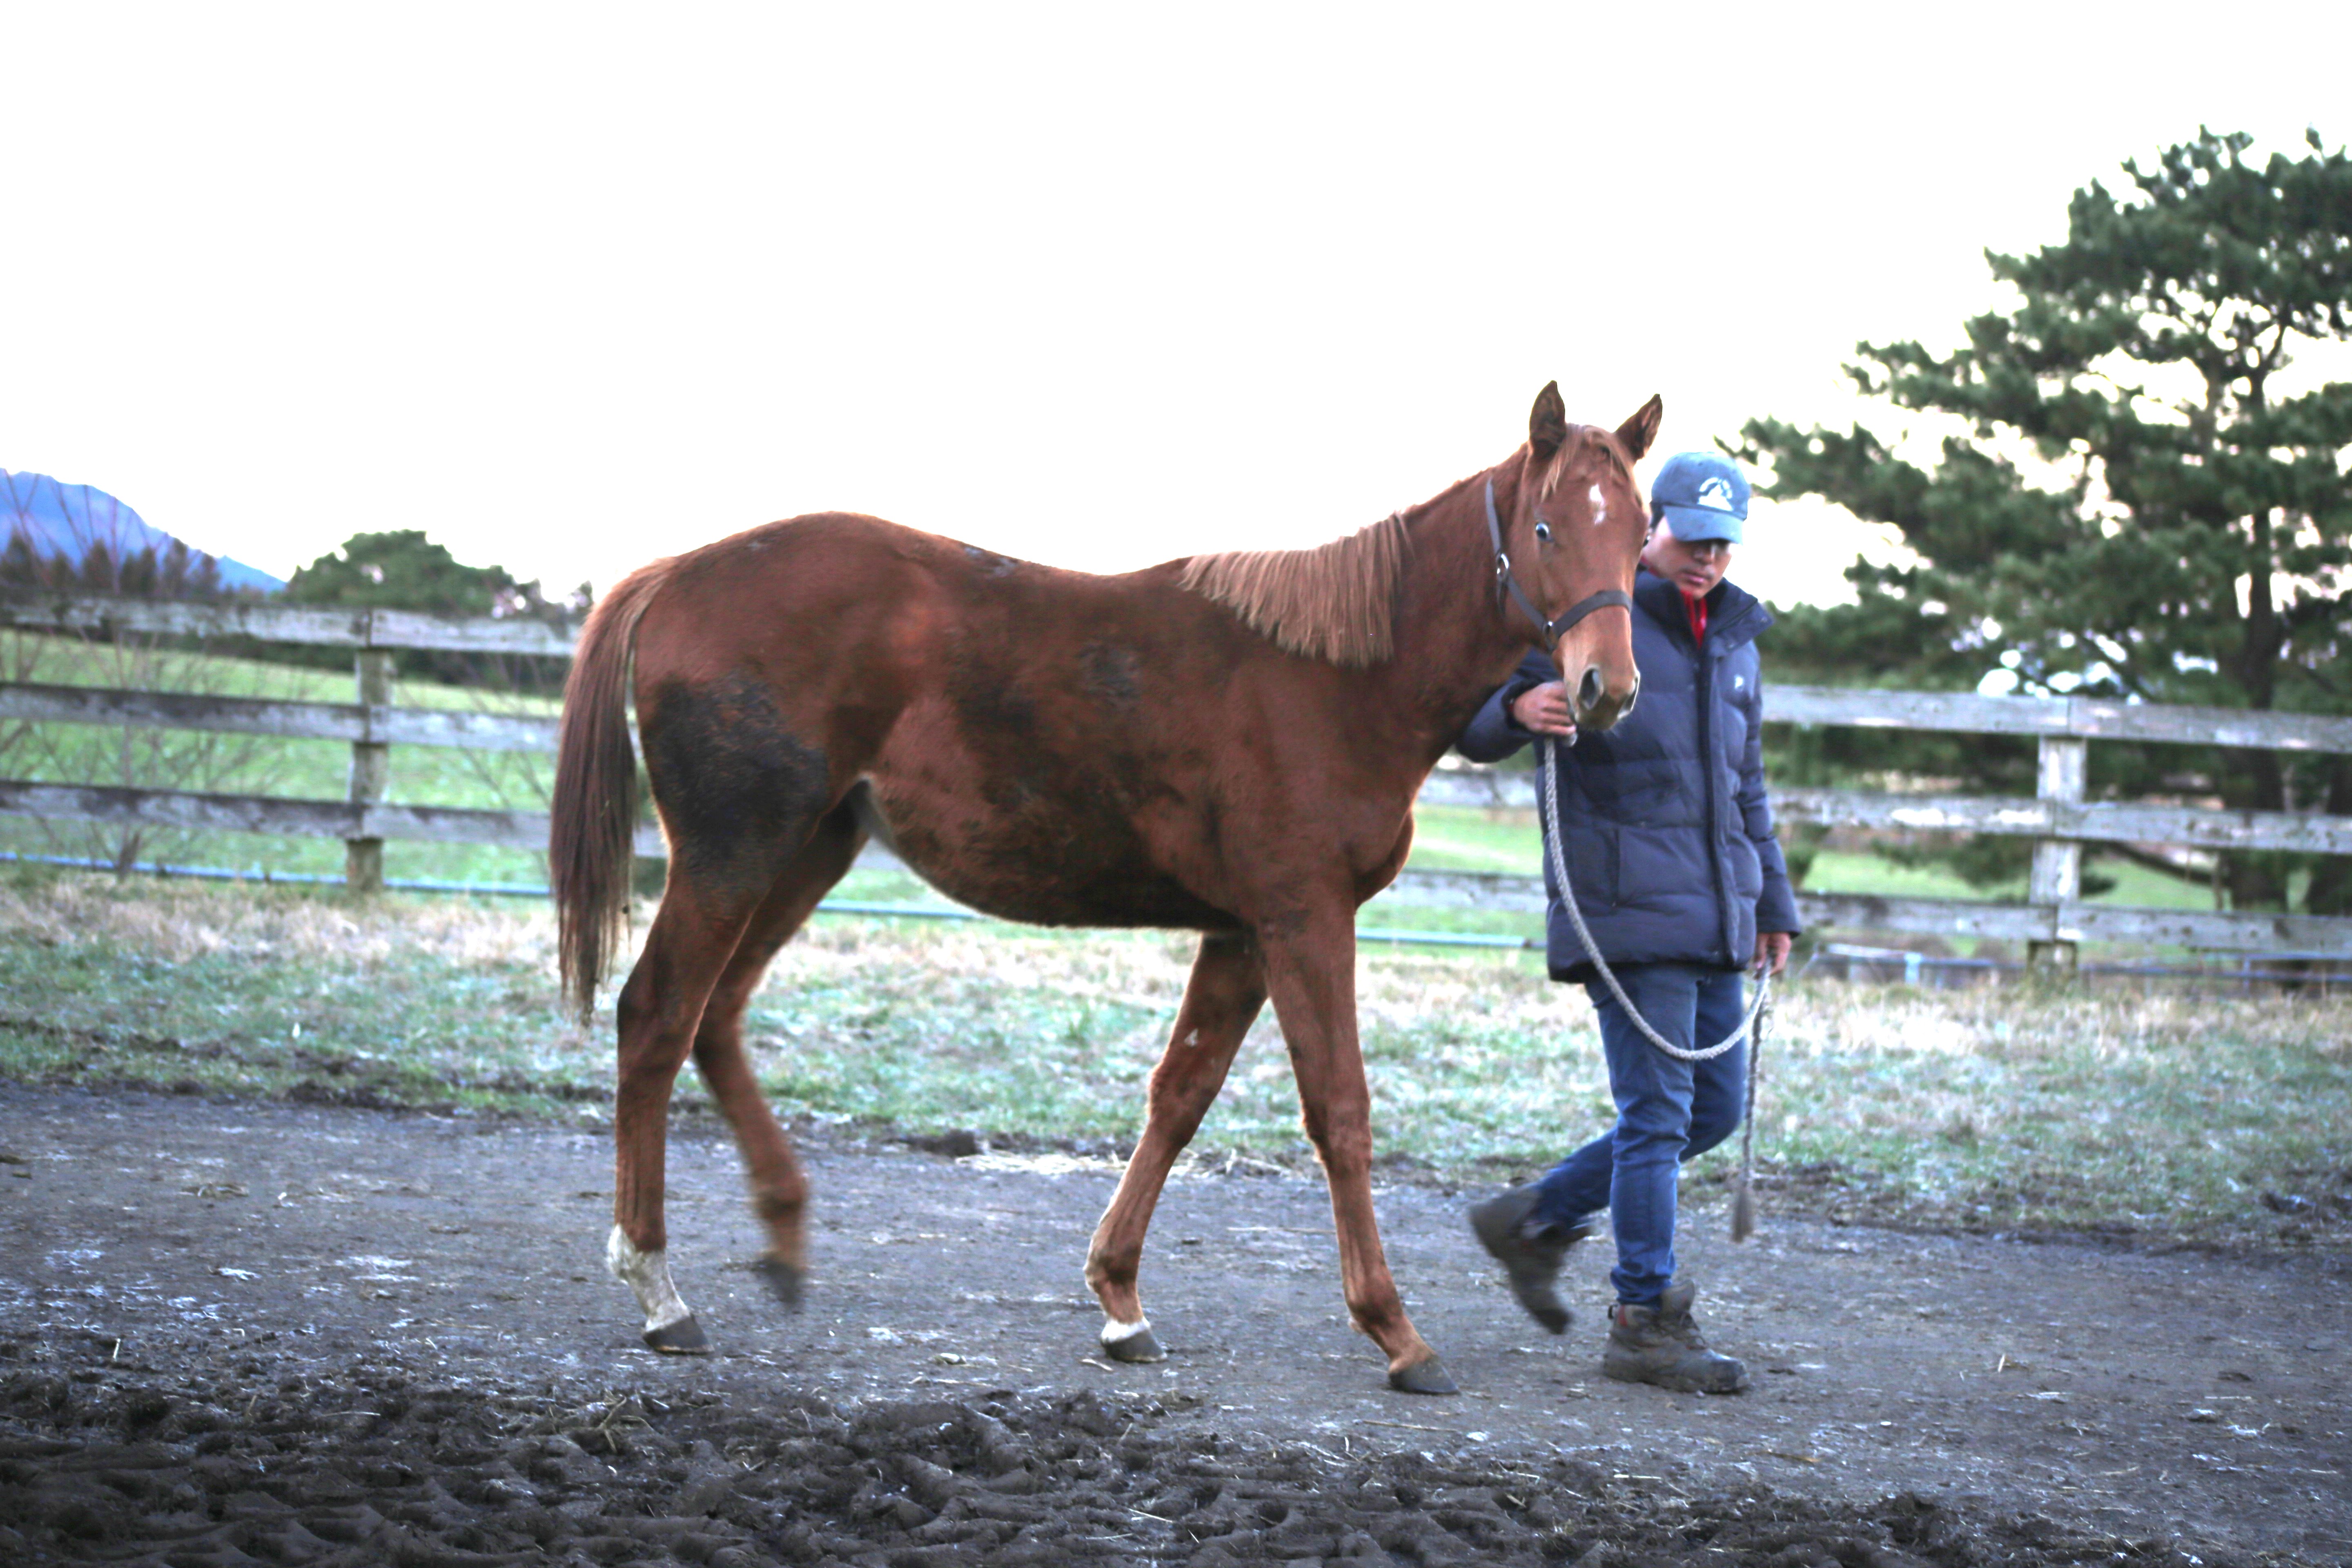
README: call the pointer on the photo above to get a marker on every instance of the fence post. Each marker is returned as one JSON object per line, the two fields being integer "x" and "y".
{"x": 2057, "y": 878}
{"x": 371, "y": 770}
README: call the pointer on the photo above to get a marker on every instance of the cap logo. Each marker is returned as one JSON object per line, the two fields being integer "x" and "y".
{"x": 1716, "y": 493}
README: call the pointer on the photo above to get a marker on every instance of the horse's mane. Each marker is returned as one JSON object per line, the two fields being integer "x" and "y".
{"x": 1334, "y": 602}
{"x": 1337, "y": 602}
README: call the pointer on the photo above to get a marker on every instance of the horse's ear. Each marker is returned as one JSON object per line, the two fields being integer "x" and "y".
{"x": 1639, "y": 431}
{"x": 1548, "y": 421}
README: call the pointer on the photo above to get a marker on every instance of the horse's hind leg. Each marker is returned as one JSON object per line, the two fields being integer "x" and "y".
{"x": 779, "y": 1190}
{"x": 1221, "y": 1000}
{"x": 660, "y": 1008}
{"x": 741, "y": 797}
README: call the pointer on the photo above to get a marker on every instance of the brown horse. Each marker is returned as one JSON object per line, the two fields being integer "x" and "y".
{"x": 1229, "y": 744}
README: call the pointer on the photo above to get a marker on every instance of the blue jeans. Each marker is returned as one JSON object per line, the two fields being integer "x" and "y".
{"x": 1667, "y": 1111}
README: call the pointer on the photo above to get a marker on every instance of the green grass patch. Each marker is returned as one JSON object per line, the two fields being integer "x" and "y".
{"x": 1467, "y": 838}
{"x": 1859, "y": 871}
{"x": 2164, "y": 1114}
{"x": 270, "y": 993}
{"x": 2145, "y": 886}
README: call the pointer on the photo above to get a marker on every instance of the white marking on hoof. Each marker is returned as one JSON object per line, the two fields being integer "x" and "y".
{"x": 1114, "y": 1331}
{"x": 647, "y": 1273}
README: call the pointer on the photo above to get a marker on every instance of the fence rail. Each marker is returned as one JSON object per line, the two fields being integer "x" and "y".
{"x": 28, "y": 609}
{"x": 2051, "y": 921}
{"x": 344, "y": 819}
{"x": 2079, "y": 718}
{"x": 2070, "y": 922}
{"x": 359, "y": 723}
{"x": 1499, "y": 892}
{"x": 2088, "y": 822}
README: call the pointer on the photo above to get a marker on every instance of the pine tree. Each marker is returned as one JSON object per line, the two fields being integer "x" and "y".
{"x": 2138, "y": 504}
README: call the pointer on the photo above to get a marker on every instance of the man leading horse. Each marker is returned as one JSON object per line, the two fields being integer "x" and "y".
{"x": 1663, "y": 827}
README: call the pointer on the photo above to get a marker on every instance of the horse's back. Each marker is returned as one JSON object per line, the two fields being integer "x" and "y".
{"x": 853, "y": 613}
{"x": 1049, "y": 745}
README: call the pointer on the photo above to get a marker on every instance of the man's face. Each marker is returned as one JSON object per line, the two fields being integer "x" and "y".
{"x": 1694, "y": 568}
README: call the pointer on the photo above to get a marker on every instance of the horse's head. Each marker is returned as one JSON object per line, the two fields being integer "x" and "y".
{"x": 1573, "y": 536}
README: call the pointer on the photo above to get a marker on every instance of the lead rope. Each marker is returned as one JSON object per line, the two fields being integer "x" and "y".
{"x": 1743, "y": 1206}
{"x": 1743, "y": 1196}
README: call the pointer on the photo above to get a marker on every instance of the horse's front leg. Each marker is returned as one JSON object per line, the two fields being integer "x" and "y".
{"x": 1310, "y": 967}
{"x": 1221, "y": 1000}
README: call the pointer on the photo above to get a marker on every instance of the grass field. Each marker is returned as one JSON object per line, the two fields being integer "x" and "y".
{"x": 2166, "y": 1115}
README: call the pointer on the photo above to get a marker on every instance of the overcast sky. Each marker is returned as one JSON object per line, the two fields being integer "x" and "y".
{"x": 569, "y": 287}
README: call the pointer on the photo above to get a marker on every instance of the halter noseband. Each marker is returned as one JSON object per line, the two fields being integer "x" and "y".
{"x": 1505, "y": 583}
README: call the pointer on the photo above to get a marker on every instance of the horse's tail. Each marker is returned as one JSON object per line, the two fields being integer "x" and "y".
{"x": 592, "y": 828}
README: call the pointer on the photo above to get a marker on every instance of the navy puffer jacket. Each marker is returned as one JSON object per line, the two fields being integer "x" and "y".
{"x": 1669, "y": 839}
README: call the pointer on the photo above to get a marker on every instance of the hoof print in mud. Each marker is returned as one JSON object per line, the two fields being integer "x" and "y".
{"x": 685, "y": 1337}
{"x": 1424, "y": 1377}
{"x": 1141, "y": 1347}
{"x": 784, "y": 1281}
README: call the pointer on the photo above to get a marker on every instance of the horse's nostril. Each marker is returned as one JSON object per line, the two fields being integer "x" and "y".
{"x": 1590, "y": 689}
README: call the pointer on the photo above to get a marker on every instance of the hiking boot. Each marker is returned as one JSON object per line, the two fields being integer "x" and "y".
{"x": 1530, "y": 1249}
{"x": 1661, "y": 1344}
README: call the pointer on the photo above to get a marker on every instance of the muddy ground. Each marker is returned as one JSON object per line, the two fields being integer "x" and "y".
{"x": 311, "y": 1334}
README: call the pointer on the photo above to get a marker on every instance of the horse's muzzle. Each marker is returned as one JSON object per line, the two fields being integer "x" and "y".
{"x": 1599, "y": 702}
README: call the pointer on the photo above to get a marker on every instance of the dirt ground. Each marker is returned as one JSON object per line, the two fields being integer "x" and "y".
{"x": 232, "y": 1333}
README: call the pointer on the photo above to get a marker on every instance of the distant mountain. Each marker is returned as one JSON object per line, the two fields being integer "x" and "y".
{"x": 58, "y": 523}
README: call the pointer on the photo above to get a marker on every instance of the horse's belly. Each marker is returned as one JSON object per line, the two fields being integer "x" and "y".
{"x": 1039, "y": 863}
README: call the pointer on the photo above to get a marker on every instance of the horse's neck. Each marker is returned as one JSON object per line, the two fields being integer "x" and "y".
{"x": 1453, "y": 644}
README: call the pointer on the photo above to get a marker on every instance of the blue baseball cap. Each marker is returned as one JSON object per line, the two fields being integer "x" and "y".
{"x": 1702, "y": 496}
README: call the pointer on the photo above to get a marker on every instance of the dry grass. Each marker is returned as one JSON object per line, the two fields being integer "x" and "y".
{"x": 2168, "y": 1115}
{"x": 180, "y": 922}
{"x": 214, "y": 988}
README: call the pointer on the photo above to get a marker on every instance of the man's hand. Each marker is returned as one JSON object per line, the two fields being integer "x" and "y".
{"x": 1543, "y": 709}
{"x": 1771, "y": 952}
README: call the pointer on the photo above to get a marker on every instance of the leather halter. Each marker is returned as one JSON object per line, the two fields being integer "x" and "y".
{"x": 1505, "y": 583}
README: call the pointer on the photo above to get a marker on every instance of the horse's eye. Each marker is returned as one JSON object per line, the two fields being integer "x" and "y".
{"x": 1543, "y": 533}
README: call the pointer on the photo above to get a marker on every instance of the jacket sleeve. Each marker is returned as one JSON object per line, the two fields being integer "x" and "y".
{"x": 1776, "y": 906}
{"x": 1493, "y": 734}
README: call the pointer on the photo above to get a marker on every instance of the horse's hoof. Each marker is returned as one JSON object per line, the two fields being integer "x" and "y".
{"x": 1142, "y": 1345}
{"x": 683, "y": 1337}
{"x": 784, "y": 1280}
{"x": 1424, "y": 1378}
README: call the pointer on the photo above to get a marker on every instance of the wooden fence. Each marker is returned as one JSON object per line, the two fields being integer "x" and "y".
{"x": 2057, "y": 818}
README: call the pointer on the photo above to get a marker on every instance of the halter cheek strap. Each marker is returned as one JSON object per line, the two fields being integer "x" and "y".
{"x": 1505, "y": 582}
